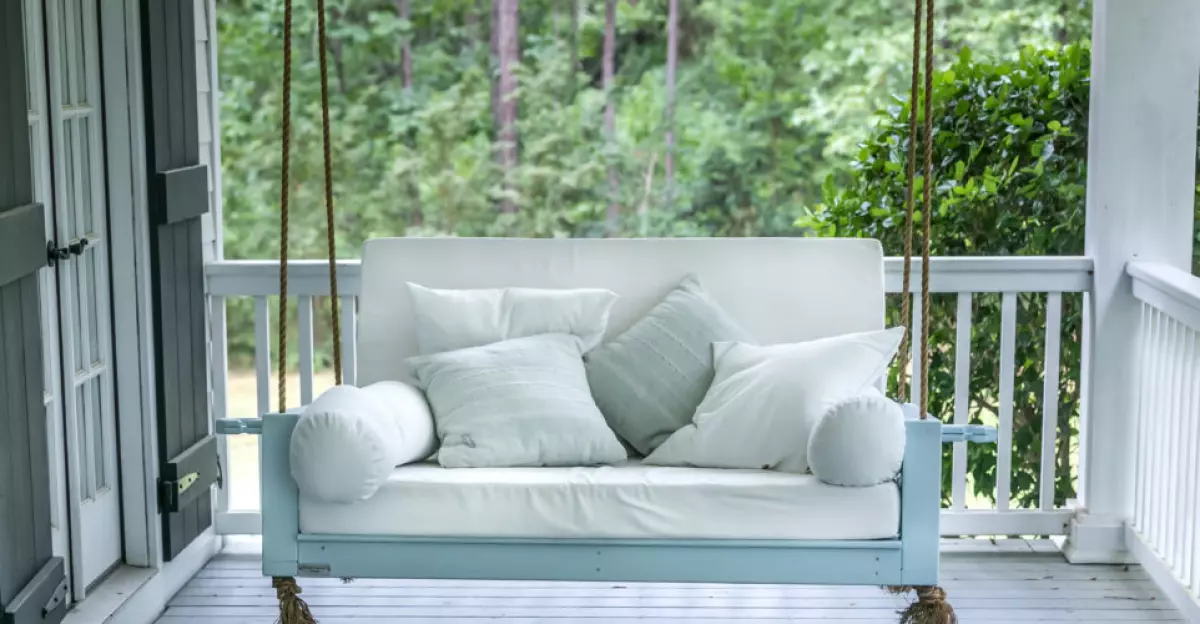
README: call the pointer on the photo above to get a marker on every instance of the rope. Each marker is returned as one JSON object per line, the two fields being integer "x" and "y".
{"x": 930, "y": 607}
{"x": 910, "y": 181}
{"x": 293, "y": 609}
{"x": 283, "y": 199}
{"x": 919, "y": 11}
{"x": 335, "y": 321}
{"x": 927, "y": 210}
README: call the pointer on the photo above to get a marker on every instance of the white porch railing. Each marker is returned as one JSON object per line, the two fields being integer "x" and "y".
{"x": 1165, "y": 532}
{"x": 964, "y": 279}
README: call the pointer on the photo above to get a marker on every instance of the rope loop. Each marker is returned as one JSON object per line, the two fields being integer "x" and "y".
{"x": 921, "y": 9}
{"x": 285, "y": 199}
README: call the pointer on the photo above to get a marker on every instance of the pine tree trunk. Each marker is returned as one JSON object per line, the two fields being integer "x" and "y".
{"x": 404, "y": 12}
{"x": 610, "y": 122}
{"x": 1064, "y": 13}
{"x": 509, "y": 54}
{"x": 494, "y": 64}
{"x": 335, "y": 50}
{"x": 574, "y": 41}
{"x": 672, "y": 61}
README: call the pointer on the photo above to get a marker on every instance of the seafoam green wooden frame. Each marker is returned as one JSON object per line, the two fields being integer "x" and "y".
{"x": 909, "y": 559}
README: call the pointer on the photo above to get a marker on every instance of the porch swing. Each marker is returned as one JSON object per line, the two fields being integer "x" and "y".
{"x": 835, "y": 286}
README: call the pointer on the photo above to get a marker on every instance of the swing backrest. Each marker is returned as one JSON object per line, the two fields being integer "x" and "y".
{"x": 779, "y": 289}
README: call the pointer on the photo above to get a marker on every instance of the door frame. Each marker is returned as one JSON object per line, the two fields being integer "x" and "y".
{"x": 133, "y": 361}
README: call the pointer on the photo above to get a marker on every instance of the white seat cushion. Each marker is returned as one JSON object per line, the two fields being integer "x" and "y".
{"x": 629, "y": 500}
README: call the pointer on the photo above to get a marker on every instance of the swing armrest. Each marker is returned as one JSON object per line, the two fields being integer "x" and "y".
{"x": 237, "y": 426}
{"x": 247, "y": 426}
{"x": 978, "y": 434}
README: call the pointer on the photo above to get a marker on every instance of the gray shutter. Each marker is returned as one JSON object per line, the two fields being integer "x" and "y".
{"x": 32, "y": 582}
{"x": 178, "y": 197}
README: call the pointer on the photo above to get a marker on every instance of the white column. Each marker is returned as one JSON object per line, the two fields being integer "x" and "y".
{"x": 1140, "y": 203}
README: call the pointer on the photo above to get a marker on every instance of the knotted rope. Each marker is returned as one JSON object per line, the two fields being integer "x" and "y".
{"x": 919, "y": 10}
{"x": 931, "y": 606}
{"x": 293, "y": 609}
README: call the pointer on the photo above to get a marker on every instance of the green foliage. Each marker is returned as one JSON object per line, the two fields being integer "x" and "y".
{"x": 1010, "y": 174}
{"x": 772, "y": 95}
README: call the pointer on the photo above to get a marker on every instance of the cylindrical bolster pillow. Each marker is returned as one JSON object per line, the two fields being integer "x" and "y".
{"x": 859, "y": 441}
{"x": 349, "y": 440}
{"x": 408, "y": 410}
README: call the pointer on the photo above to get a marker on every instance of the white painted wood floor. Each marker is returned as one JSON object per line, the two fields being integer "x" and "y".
{"x": 1008, "y": 581}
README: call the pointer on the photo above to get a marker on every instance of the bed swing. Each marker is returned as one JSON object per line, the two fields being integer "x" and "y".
{"x": 834, "y": 286}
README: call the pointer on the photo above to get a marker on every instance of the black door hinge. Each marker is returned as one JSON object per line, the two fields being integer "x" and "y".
{"x": 171, "y": 490}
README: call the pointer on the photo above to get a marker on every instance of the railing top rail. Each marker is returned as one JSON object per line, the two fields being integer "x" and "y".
{"x": 234, "y": 278}
{"x": 995, "y": 274}
{"x": 948, "y": 275}
{"x": 1171, "y": 290}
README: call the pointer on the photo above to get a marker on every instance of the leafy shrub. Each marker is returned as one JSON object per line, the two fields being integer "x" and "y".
{"x": 1010, "y": 157}
{"x": 1010, "y": 168}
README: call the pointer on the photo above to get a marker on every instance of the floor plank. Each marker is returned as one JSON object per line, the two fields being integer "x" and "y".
{"x": 988, "y": 582}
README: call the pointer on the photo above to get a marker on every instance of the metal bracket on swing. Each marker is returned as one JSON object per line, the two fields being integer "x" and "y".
{"x": 977, "y": 434}
{"x": 237, "y": 426}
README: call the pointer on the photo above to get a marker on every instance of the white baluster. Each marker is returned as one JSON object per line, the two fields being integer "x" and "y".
{"x": 1157, "y": 430}
{"x": 349, "y": 312}
{"x": 1004, "y": 430}
{"x": 219, "y": 378}
{"x": 914, "y": 388}
{"x": 305, "y": 317}
{"x": 1189, "y": 407}
{"x": 1142, "y": 424}
{"x": 262, "y": 354}
{"x": 962, "y": 397}
{"x": 1050, "y": 398}
{"x": 1174, "y": 424}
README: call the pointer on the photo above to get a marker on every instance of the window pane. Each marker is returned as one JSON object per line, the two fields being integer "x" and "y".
{"x": 83, "y": 434}
{"x": 96, "y": 414}
{"x": 91, "y": 270}
{"x": 86, "y": 194}
{"x": 67, "y": 201}
{"x": 78, "y": 275}
{"x": 30, "y": 72}
{"x": 64, "y": 56}
{"x": 80, "y": 73}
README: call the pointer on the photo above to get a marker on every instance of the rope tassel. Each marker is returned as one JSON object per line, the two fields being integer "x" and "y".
{"x": 292, "y": 608}
{"x": 930, "y": 607}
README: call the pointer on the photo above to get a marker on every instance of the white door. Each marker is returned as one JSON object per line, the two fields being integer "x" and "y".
{"x": 39, "y": 140}
{"x": 70, "y": 84}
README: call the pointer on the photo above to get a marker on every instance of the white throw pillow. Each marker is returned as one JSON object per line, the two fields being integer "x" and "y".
{"x": 859, "y": 442}
{"x": 348, "y": 440}
{"x": 765, "y": 400}
{"x": 519, "y": 402}
{"x": 446, "y": 320}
